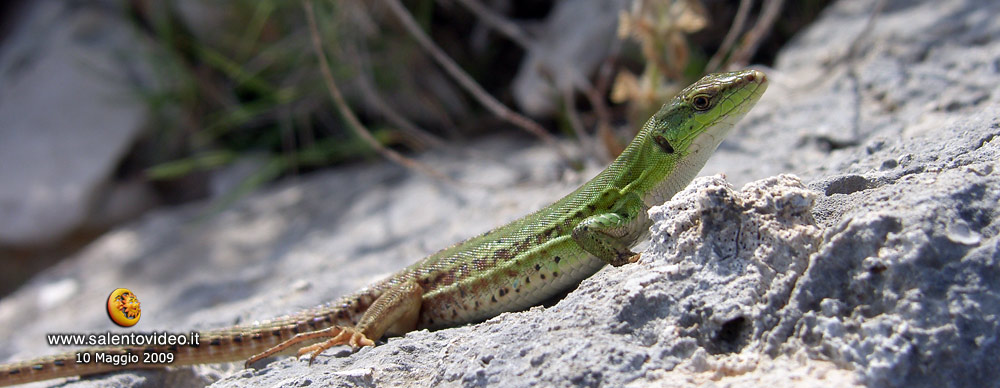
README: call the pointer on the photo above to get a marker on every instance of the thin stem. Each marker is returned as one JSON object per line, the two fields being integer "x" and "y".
{"x": 753, "y": 38}
{"x": 470, "y": 85}
{"x": 499, "y": 23}
{"x": 353, "y": 123}
{"x": 734, "y": 32}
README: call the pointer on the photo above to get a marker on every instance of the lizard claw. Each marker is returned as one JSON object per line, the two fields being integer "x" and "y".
{"x": 634, "y": 258}
{"x": 341, "y": 336}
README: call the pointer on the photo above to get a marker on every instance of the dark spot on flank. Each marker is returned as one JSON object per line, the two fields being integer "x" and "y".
{"x": 446, "y": 278}
{"x": 38, "y": 367}
{"x": 461, "y": 292}
{"x": 538, "y": 267}
{"x": 295, "y": 329}
{"x": 503, "y": 254}
{"x": 58, "y": 363}
{"x": 215, "y": 342}
{"x": 342, "y": 314}
{"x": 578, "y": 214}
{"x": 503, "y": 291}
{"x": 517, "y": 289}
{"x": 15, "y": 371}
{"x": 542, "y": 276}
{"x": 493, "y": 298}
{"x": 454, "y": 313}
{"x": 239, "y": 338}
{"x": 527, "y": 279}
{"x": 555, "y": 273}
{"x": 477, "y": 304}
{"x": 430, "y": 321}
{"x": 276, "y": 332}
{"x": 591, "y": 207}
{"x": 524, "y": 244}
{"x": 557, "y": 258}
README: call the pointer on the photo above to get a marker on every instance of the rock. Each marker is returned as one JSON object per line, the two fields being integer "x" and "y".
{"x": 681, "y": 313}
{"x": 69, "y": 110}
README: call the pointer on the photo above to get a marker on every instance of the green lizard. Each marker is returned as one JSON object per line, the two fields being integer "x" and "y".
{"x": 508, "y": 268}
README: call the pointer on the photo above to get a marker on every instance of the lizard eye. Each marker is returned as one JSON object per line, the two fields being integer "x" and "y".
{"x": 701, "y": 102}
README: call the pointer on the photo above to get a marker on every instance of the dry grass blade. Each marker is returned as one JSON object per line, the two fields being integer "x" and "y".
{"x": 470, "y": 85}
{"x": 574, "y": 121}
{"x": 855, "y": 47}
{"x": 368, "y": 92}
{"x": 612, "y": 147}
{"x": 353, "y": 123}
{"x": 734, "y": 32}
{"x": 499, "y": 23}
{"x": 753, "y": 38}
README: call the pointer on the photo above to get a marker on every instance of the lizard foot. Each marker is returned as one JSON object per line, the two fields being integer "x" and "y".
{"x": 634, "y": 258}
{"x": 340, "y": 336}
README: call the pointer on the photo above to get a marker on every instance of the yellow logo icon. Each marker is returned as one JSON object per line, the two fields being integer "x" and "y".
{"x": 123, "y": 307}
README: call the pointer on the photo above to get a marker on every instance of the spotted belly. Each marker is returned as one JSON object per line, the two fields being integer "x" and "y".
{"x": 515, "y": 285}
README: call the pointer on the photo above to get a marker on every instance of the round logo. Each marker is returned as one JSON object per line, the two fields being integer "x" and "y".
{"x": 123, "y": 307}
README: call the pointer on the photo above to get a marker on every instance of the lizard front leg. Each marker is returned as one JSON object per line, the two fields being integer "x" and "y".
{"x": 609, "y": 236}
{"x": 398, "y": 309}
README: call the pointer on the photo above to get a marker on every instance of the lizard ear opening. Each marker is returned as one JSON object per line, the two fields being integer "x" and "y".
{"x": 663, "y": 143}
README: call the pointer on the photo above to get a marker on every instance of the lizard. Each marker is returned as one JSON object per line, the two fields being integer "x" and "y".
{"x": 509, "y": 268}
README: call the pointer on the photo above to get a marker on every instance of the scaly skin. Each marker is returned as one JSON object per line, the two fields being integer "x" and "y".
{"x": 506, "y": 269}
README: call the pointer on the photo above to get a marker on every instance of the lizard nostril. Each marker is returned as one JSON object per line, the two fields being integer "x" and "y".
{"x": 750, "y": 77}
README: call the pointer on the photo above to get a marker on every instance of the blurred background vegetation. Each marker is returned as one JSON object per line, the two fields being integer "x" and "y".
{"x": 251, "y": 85}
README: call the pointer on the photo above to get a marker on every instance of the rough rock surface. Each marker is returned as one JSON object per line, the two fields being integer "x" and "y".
{"x": 881, "y": 270}
{"x": 720, "y": 261}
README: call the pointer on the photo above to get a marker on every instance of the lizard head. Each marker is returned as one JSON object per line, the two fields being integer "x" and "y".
{"x": 702, "y": 114}
{"x": 681, "y": 136}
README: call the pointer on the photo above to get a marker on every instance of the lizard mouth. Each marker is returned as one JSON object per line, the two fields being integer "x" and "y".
{"x": 741, "y": 102}
{"x": 758, "y": 83}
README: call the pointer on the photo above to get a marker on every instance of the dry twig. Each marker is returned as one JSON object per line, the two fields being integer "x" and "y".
{"x": 734, "y": 31}
{"x": 499, "y": 23}
{"x": 752, "y": 39}
{"x": 353, "y": 123}
{"x": 574, "y": 121}
{"x": 470, "y": 85}
{"x": 370, "y": 94}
